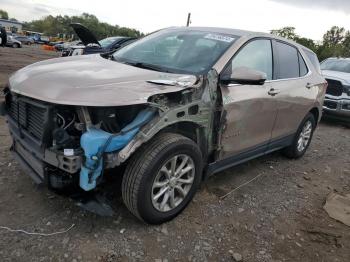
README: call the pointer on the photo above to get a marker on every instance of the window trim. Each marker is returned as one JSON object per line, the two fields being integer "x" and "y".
{"x": 243, "y": 46}
{"x": 307, "y": 68}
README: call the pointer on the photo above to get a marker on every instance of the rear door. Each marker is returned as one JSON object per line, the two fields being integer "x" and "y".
{"x": 250, "y": 110}
{"x": 294, "y": 95}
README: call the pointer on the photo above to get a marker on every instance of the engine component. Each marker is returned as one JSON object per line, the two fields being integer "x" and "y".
{"x": 61, "y": 138}
{"x": 95, "y": 142}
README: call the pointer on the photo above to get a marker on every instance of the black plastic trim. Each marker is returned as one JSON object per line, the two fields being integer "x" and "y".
{"x": 26, "y": 167}
{"x": 249, "y": 154}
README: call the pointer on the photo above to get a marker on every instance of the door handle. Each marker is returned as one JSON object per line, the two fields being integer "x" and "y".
{"x": 309, "y": 85}
{"x": 273, "y": 92}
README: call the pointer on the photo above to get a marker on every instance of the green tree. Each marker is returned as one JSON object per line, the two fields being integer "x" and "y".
{"x": 346, "y": 45}
{"x": 336, "y": 43}
{"x": 334, "y": 36}
{"x": 4, "y": 14}
{"x": 286, "y": 32}
{"x": 307, "y": 42}
{"x": 59, "y": 25}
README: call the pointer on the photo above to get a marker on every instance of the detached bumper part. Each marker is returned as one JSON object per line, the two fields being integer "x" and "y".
{"x": 95, "y": 142}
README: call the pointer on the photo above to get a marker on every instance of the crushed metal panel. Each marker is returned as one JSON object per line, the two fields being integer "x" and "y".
{"x": 205, "y": 98}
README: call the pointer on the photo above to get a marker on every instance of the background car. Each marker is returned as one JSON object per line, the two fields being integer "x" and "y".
{"x": 66, "y": 45}
{"x": 337, "y": 100}
{"x": 25, "y": 40}
{"x": 12, "y": 42}
{"x": 91, "y": 45}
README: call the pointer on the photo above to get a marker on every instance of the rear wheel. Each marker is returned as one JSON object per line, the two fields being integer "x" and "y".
{"x": 302, "y": 138}
{"x": 162, "y": 178}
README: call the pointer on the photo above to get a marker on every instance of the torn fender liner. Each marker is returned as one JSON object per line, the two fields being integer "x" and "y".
{"x": 95, "y": 142}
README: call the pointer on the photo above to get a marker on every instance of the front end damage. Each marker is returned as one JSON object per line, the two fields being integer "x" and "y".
{"x": 64, "y": 145}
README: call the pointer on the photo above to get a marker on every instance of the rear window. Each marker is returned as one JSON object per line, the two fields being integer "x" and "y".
{"x": 288, "y": 61}
{"x": 314, "y": 60}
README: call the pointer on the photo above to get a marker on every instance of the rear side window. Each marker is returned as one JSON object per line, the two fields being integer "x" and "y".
{"x": 314, "y": 60}
{"x": 288, "y": 61}
{"x": 302, "y": 65}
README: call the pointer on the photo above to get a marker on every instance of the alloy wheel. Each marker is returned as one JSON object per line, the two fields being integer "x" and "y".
{"x": 173, "y": 183}
{"x": 304, "y": 136}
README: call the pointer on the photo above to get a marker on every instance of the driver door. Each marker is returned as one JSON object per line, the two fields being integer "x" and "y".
{"x": 249, "y": 110}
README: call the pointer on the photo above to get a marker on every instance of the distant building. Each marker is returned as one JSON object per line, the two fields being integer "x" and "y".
{"x": 11, "y": 26}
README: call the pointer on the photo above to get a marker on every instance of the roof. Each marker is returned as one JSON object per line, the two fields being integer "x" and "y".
{"x": 240, "y": 33}
{"x": 220, "y": 30}
{"x": 10, "y": 21}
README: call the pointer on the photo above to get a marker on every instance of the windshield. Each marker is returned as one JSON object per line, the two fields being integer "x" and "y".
{"x": 108, "y": 41}
{"x": 340, "y": 65}
{"x": 176, "y": 51}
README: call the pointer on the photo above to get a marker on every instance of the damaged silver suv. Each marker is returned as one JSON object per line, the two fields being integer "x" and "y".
{"x": 168, "y": 110}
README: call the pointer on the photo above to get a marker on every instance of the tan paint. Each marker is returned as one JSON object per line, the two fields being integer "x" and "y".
{"x": 254, "y": 117}
{"x": 91, "y": 80}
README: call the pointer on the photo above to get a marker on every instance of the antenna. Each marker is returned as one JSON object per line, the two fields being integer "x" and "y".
{"x": 188, "y": 19}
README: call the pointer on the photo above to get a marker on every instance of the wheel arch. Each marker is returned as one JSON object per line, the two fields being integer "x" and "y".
{"x": 191, "y": 130}
{"x": 316, "y": 113}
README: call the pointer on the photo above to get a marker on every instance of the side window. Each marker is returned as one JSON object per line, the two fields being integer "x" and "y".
{"x": 302, "y": 65}
{"x": 256, "y": 55}
{"x": 288, "y": 61}
{"x": 314, "y": 60}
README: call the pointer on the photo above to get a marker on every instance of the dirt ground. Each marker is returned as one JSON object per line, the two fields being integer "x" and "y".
{"x": 278, "y": 216}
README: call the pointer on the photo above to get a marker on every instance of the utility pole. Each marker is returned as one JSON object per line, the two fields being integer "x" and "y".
{"x": 188, "y": 19}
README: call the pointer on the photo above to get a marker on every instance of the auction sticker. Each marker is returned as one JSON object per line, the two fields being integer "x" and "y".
{"x": 222, "y": 38}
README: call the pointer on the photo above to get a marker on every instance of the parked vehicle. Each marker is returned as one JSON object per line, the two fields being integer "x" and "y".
{"x": 91, "y": 45}
{"x": 56, "y": 43}
{"x": 13, "y": 42}
{"x": 171, "y": 108}
{"x": 66, "y": 45}
{"x": 337, "y": 101}
{"x": 25, "y": 40}
{"x": 40, "y": 39}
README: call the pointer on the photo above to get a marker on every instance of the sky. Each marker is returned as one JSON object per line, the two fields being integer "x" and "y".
{"x": 311, "y": 18}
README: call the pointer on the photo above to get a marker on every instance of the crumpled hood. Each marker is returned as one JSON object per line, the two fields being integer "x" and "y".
{"x": 91, "y": 80}
{"x": 340, "y": 76}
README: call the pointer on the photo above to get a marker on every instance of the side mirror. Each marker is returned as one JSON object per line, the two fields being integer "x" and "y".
{"x": 245, "y": 76}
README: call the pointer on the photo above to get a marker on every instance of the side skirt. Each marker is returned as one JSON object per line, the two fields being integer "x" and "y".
{"x": 249, "y": 154}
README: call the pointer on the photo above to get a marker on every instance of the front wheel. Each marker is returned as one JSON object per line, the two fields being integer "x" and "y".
{"x": 15, "y": 45}
{"x": 162, "y": 178}
{"x": 302, "y": 138}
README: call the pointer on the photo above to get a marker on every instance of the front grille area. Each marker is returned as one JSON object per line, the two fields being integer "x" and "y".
{"x": 335, "y": 88}
{"x": 30, "y": 115}
{"x": 330, "y": 104}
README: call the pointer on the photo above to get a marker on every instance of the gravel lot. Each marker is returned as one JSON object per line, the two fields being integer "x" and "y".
{"x": 278, "y": 216}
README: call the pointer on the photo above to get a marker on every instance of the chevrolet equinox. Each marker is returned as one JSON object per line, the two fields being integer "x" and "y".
{"x": 164, "y": 112}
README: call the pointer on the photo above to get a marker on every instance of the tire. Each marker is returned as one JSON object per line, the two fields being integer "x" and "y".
{"x": 294, "y": 151}
{"x": 15, "y": 45}
{"x": 144, "y": 170}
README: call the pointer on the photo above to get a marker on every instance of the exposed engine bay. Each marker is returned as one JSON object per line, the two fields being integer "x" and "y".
{"x": 69, "y": 145}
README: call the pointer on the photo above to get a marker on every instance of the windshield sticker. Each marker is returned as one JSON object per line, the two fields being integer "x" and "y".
{"x": 222, "y": 38}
